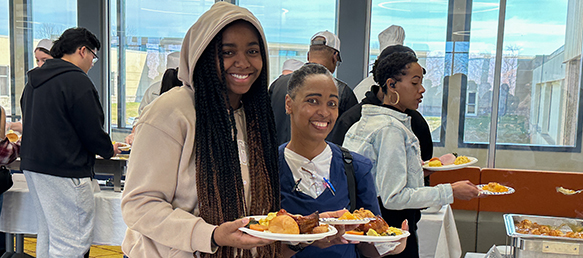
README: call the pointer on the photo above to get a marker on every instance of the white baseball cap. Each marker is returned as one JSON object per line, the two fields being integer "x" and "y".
{"x": 393, "y": 35}
{"x": 292, "y": 64}
{"x": 328, "y": 39}
{"x": 45, "y": 43}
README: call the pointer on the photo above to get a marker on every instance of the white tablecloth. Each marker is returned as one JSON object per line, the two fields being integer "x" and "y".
{"x": 438, "y": 235}
{"x": 18, "y": 215}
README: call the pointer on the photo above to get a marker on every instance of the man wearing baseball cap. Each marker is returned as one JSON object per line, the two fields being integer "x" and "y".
{"x": 324, "y": 50}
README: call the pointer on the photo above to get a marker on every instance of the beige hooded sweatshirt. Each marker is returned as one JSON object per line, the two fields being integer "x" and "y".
{"x": 160, "y": 203}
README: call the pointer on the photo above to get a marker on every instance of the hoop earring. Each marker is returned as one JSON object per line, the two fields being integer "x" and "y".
{"x": 398, "y": 98}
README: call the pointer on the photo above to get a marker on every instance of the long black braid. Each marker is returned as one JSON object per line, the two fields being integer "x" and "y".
{"x": 219, "y": 182}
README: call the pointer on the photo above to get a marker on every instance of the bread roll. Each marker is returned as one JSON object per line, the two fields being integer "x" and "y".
{"x": 283, "y": 224}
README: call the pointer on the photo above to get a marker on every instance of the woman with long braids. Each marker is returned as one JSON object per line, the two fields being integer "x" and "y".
{"x": 205, "y": 153}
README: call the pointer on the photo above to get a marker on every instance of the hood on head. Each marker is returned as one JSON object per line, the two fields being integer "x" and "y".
{"x": 205, "y": 29}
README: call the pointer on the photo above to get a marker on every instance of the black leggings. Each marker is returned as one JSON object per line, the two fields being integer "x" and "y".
{"x": 394, "y": 218}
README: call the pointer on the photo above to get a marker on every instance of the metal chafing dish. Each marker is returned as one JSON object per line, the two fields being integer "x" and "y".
{"x": 535, "y": 246}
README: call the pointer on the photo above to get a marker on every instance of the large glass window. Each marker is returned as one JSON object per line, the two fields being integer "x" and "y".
{"x": 289, "y": 25}
{"x": 4, "y": 55}
{"x": 539, "y": 80}
{"x": 150, "y": 31}
{"x": 22, "y": 25}
{"x": 425, "y": 24}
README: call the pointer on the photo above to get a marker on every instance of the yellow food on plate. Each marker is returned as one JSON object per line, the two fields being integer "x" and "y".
{"x": 435, "y": 163}
{"x": 12, "y": 137}
{"x": 372, "y": 232}
{"x": 495, "y": 187}
{"x": 283, "y": 224}
{"x": 461, "y": 160}
{"x": 347, "y": 216}
{"x": 265, "y": 221}
{"x": 391, "y": 231}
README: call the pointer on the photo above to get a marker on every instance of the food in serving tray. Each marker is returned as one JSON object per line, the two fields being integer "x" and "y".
{"x": 448, "y": 159}
{"x": 528, "y": 227}
{"x": 495, "y": 187}
{"x": 285, "y": 223}
{"x": 377, "y": 227}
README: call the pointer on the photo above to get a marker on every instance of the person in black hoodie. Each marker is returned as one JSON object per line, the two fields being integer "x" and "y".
{"x": 374, "y": 97}
{"x": 62, "y": 127}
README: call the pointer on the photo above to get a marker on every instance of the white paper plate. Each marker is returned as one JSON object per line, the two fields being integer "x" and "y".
{"x": 288, "y": 237}
{"x": 484, "y": 192}
{"x": 450, "y": 167}
{"x": 376, "y": 239}
{"x": 336, "y": 221}
{"x": 124, "y": 147}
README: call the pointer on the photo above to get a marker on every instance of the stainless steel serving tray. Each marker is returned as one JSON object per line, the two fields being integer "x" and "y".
{"x": 510, "y": 221}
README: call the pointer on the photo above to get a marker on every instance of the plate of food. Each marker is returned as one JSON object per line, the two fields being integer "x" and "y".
{"x": 360, "y": 216}
{"x": 376, "y": 231}
{"x": 494, "y": 188}
{"x": 282, "y": 226}
{"x": 12, "y": 136}
{"x": 450, "y": 161}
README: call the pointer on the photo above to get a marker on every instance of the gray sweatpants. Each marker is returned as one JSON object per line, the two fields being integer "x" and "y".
{"x": 65, "y": 209}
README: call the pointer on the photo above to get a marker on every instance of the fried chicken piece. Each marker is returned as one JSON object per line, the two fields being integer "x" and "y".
{"x": 525, "y": 224}
{"x": 362, "y": 213}
{"x": 556, "y": 232}
{"x": 307, "y": 223}
{"x": 379, "y": 225}
{"x": 522, "y": 231}
{"x": 320, "y": 229}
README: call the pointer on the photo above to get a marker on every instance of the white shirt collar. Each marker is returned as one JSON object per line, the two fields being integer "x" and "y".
{"x": 310, "y": 172}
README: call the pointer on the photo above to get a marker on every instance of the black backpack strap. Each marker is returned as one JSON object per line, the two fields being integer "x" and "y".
{"x": 350, "y": 178}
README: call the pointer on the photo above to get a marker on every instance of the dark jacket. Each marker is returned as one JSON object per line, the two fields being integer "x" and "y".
{"x": 62, "y": 122}
{"x": 351, "y": 116}
{"x": 277, "y": 92}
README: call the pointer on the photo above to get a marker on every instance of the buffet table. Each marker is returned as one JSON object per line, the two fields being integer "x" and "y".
{"x": 437, "y": 232}
{"x": 438, "y": 235}
{"x": 19, "y": 217}
{"x": 116, "y": 167}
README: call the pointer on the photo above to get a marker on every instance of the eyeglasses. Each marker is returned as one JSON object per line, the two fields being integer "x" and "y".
{"x": 95, "y": 57}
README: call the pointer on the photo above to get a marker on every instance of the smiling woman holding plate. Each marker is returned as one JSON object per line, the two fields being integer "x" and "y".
{"x": 313, "y": 173}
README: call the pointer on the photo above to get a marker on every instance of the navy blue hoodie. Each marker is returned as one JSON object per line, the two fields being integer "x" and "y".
{"x": 62, "y": 122}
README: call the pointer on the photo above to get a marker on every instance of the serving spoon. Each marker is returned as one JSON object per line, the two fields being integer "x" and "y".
{"x": 568, "y": 191}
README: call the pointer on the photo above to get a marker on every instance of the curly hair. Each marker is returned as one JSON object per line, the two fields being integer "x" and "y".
{"x": 218, "y": 178}
{"x": 393, "y": 66}
{"x": 388, "y": 51}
